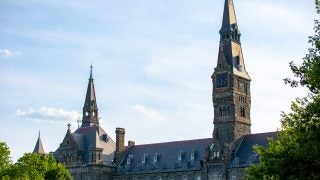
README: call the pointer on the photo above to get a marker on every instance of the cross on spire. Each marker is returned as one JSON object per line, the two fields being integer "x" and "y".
{"x": 90, "y": 108}
{"x": 69, "y": 125}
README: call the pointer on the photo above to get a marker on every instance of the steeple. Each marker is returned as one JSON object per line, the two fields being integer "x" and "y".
{"x": 90, "y": 108}
{"x": 39, "y": 147}
{"x": 231, "y": 86}
{"x": 229, "y": 28}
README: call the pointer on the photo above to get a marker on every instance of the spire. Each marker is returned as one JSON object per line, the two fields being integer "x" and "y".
{"x": 229, "y": 28}
{"x": 39, "y": 147}
{"x": 90, "y": 108}
{"x": 91, "y": 67}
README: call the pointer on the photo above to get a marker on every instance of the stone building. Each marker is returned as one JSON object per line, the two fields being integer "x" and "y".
{"x": 90, "y": 153}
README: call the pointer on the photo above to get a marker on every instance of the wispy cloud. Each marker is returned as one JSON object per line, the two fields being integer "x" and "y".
{"x": 49, "y": 115}
{"x": 281, "y": 17}
{"x": 6, "y": 53}
{"x": 148, "y": 113}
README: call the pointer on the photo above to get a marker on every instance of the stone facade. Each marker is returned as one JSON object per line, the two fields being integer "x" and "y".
{"x": 90, "y": 153}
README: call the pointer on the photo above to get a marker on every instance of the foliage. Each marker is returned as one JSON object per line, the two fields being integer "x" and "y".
{"x": 58, "y": 173}
{"x": 308, "y": 72}
{"x": 36, "y": 166}
{"x": 5, "y": 161}
{"x": 296, "y": 152}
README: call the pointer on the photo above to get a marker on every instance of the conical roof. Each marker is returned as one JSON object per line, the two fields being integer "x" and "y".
{"x": 229, "y": 21}
{"x": 90, "y": 108}
{"x": 39, "y": 147}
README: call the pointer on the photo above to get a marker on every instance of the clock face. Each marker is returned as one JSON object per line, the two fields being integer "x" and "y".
{"x": 221, "y": 80}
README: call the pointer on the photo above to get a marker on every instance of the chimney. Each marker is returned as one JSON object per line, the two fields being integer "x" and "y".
{"x": 120, "y": 132}
{"x": 131, "y": 143}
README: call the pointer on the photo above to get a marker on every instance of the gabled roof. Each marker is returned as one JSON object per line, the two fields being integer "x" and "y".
{"x": 167, "y": 157}
{"x": 39, "y": 147}
{"x": 91, "y": 137}
{"x": 243, "y": 155}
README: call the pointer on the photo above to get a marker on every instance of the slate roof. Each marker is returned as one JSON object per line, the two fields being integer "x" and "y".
{"x": 39, "y": 147}
{"x": 96, "y": 137}
{"x": 89, "y": 137}
{"x": 167, "y": 157}
{"x": 229, "y": 16}
{"x": 243, "y": 155}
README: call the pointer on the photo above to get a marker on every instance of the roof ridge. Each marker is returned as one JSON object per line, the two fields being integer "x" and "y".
{"x": 178, "y": 141}
{"x": 261, "y": 133}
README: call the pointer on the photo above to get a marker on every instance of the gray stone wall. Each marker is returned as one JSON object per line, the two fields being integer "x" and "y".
{"x": 91, "y": 172}
{"x": 187, "y": 175}
{"x": 236, "y": 174}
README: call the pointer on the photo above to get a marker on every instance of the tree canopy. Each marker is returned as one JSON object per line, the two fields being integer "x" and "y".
{"x": 31, "y": 166}
{"x": 296, "y": 152}
{"x": 5, "y": 160}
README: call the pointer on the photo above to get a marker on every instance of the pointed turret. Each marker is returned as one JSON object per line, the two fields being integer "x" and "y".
{"x": 39, "y": 147}
{"x": 229, "y": 28}
{"x": 231, "y": 87}
{"x": 90, "y": 108}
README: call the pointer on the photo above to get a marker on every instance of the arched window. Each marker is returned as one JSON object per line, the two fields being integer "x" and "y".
{"x": 220, "y": 111}
{"x": 228, "y": 111}
{"x": 242, "y": 112}
{"x": 224, "y": 113}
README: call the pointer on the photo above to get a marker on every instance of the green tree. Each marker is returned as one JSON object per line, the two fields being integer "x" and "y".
{"x": 59, "y": 172}
{"x": 36, "y": 166}
{"x": 296, "y": 152}
{"x": 5, "y": 160}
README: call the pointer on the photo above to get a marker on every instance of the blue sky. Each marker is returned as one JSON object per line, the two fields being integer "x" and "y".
{"x": 152, "y": 65}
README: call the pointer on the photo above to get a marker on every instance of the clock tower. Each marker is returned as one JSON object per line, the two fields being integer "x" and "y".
{"x": 231, "y": 85}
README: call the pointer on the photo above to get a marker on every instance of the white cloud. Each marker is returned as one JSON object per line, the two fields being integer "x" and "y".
{"x": 6, "y": 53}
{"x": 49, "y": 115}
{"x": 148, "y": 113}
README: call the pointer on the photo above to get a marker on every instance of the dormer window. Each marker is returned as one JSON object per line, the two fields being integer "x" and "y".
{"x": 192, "y": 155}
{"x": 179, "y": 156}
{"x": 129, "y": 159}
{"x": 156, "y": 158}
{"x": 87, "y": 114}
{"x": 144, "y": 158}
{"x": 216, "y": 154}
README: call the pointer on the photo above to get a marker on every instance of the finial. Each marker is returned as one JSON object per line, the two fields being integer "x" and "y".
{"x": 69, "y": 127}
{"x": 39, "y": 134}
{"x": 78, "y": 121}
{"x": 91, "y": 67}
